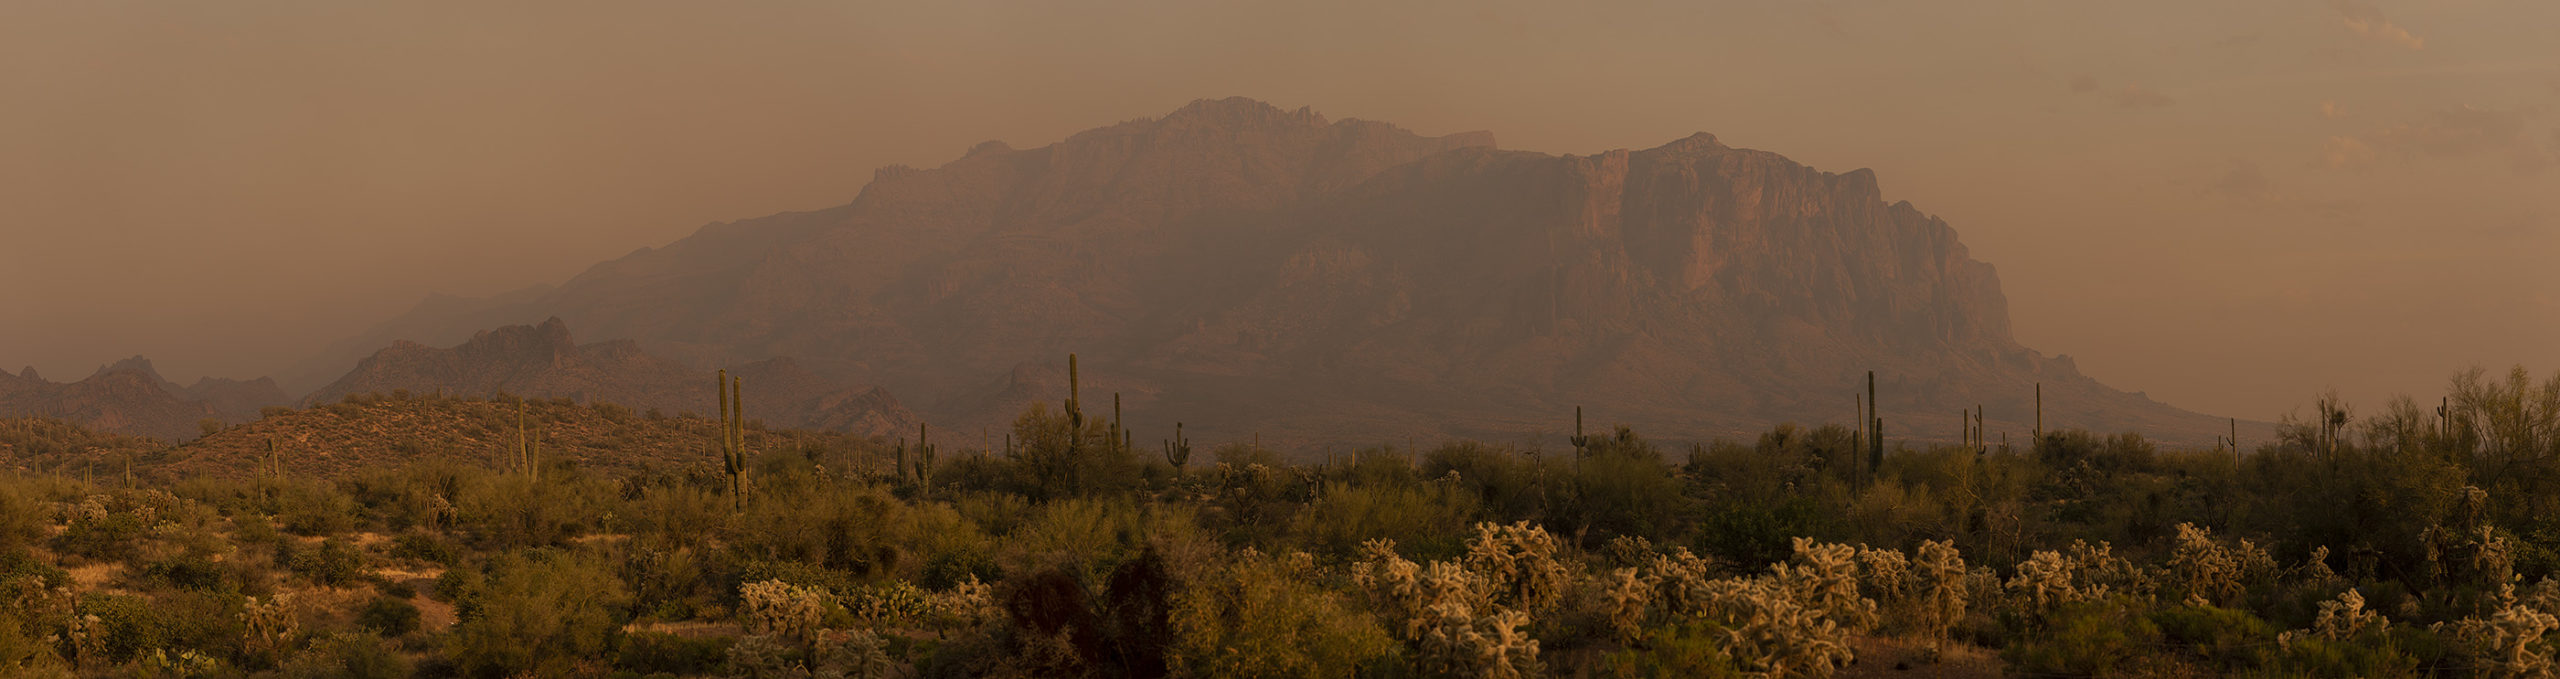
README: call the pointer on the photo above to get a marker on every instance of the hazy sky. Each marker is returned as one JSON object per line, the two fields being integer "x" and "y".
{"x": 2230, "y": 204}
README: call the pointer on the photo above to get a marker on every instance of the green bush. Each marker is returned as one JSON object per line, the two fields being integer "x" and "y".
{"x": 653, "y": 652}
{"x": 2085, "y": 640}
{"x": 425, "y": 548}
{"x": 2230, "y": 639}
{"x": 388, "y": 616}
{"x": 349, "y": 656}
{"x": 1689, "y": 649}
{"x": 539, "y": 611}
{"x": 188, "y": 570}
{"x": 332, "y": 563}
{"x": 127, "y": 624}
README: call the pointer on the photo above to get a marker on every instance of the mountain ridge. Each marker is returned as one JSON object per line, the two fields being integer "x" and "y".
{"x": 1375, "y": 283}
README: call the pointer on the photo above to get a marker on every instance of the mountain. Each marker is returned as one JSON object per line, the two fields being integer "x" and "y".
{"x": 130, "y": 397}
{"x": 1251, "y": 270}
{"x": 545, "y": 361}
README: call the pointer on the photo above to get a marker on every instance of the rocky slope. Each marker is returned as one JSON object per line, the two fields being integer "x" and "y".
{"x": 1247, "y": 269}
{"x": 545, "y": 361}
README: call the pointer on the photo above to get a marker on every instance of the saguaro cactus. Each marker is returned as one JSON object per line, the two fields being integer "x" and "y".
{"x": 1075, "y": 413}
{"x": 924, "y": 453}
{"x": 528, "y": 446}
{"x": 1581, "y": 443}
{"x": 733, "y": 437}
{"x": 1178, "y": 450}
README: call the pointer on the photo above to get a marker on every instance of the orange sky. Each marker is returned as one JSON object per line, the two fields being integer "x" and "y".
{"x": 2229, "y": 204}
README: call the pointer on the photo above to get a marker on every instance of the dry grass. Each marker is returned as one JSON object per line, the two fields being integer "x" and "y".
{"x": 1894, "y": 657}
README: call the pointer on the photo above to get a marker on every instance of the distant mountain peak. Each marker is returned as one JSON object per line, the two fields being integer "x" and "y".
{"x": 135, "y": 364}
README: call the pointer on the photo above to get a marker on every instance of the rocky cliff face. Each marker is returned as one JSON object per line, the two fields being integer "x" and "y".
{"x": 1247, "y": 269}
{"x": 130, "y": 397}
{"x": 545, "y": 361}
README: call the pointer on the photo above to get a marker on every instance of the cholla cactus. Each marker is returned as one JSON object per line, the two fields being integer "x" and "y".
{"x": 2508, "y": 644}
{"x": 1627, "y": 596}
{"x": 1455, "y": 642}
{"x": 1518, "y": 563}
{"x": 1767, "y": 630}
{"x": 2045, "y": 581}
{"x": 1885, "y": 575}
{"x": 186, "y": 664}
{"x": 88, "y": 637}
{"x": 1406, "y": 593}
{"x": 1680, "y": 579}
{"x": 269, "y": 626}
{"x": 889, "y": 604}
{"x": 1825, "y": 578}
{"x": 2315, "y": 568}
{"x": 858, "y": 654}
{"x": 2206, "y": 570}
{"x": 784, "y": 610}
{"x": 968, "y": 604}
{"x": 2346, "y": 616}
{"x": 1941, "y": 587}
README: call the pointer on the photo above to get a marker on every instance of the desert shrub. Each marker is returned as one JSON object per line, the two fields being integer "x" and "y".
{"x": 535, "y": 610}
{"x": 1504, "y": 483}
{"x": 388, "y": 616}
{"x": 120, "y": 626}
{"x": 1684, "y": 650}
{"x": 26, "y": 655}
{"x": 1756, "y": 534}
{"x": 200, "y": 621}
{"x": 331, "y": 563}
{"x": 104, "y": 528}
{"x": 425, "y": 548}
{"x": 1254, "y": 615}
{"x": 252, "y": 528}
{"x": 2086, "y": 639}
{"x": 190, "y": 570}
{"x": 310, "y": 508}
{"x": 2230, "y": 639}
{"x": 1621, "y": 487}
{"x": 1430, "y": 519}
{"x": 349, "y": 655}
{"x": 2371, "y": 652}
{"x": 22, "y": 520}
{"x": 511, "y": 511}
{"x": 659, "y": 653}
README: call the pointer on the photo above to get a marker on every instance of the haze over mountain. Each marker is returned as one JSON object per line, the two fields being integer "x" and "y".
{"x": 1247, "y": 269}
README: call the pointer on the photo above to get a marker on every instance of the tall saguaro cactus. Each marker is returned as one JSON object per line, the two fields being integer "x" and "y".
{"x": 1177, "y": 451}
{"x": 733, "y": 437}
{"x": 1875, "y": 431}
{"x": 924, "y": 453}
{"x": 528, "y": 446}
{"x": 1075, "y": 411}
{"x": 1581, "y": 442}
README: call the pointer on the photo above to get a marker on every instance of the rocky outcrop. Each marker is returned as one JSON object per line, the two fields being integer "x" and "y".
{"x": 1246, "y": 269}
